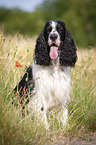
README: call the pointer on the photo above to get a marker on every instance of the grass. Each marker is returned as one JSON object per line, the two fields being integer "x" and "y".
{"x": 23, "y": 130}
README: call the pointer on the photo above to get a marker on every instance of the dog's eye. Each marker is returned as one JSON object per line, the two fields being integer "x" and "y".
{"x": 49, "y": 29}
{"x": 59, "y": 28}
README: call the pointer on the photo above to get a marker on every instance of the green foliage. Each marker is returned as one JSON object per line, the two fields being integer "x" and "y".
{"x": 16, "y": 21}
{"x": 79, "y": 16}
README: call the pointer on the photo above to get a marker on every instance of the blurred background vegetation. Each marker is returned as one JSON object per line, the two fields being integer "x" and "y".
{"x": 78, "y": 15}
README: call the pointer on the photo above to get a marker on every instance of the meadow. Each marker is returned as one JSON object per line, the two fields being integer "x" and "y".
{"x": 17, "y": 129}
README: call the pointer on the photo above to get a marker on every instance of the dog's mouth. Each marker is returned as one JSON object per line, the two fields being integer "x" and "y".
{"x": 54, "y": 51}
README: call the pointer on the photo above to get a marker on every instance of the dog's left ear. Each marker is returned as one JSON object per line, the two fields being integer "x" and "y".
{"x": 68, "y": 54}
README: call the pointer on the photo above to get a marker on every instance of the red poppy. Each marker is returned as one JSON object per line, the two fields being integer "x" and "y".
{"x": 17, "y": 64}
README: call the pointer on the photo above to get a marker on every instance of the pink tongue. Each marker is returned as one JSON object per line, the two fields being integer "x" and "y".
{"x": 53, "y": 52}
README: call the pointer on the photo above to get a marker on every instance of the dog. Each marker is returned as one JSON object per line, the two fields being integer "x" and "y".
{"x": 48, "y": 79}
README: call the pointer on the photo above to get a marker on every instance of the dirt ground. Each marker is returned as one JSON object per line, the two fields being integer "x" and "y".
{"x": 89, "y": 140}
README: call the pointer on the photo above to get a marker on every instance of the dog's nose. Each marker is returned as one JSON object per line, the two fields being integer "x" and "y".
{"x": 53, "y": 37}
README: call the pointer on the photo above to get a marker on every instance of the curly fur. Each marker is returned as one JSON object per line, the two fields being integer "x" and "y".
{"x": 68, "y": 55}
{"x": 41, "y": 50}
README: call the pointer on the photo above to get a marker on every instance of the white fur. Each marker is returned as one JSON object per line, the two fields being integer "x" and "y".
{"x": 52, "y": 87}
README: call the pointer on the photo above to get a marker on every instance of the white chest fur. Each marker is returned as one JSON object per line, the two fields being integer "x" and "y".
{"x": 52, "y": 85}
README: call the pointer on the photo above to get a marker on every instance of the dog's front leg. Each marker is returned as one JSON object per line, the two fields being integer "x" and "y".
{"x": 36, "y": 108}
{"x": 63, "y": 116}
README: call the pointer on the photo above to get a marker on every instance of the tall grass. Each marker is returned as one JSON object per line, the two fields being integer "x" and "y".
{"x": 18, "y": 129}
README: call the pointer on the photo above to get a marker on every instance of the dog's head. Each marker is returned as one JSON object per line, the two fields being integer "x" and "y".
{"x": 53, "y": 42}
{"x": 54, "y": 33}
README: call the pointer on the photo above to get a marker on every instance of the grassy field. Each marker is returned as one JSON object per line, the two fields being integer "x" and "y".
{"x": 17, "y": 129}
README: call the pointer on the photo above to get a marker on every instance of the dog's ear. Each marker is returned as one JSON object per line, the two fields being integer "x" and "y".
{"x": 41, "y": 51}
{"x": 68, "y": 54}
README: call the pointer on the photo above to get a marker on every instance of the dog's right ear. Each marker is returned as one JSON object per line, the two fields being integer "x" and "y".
{"x": 41, "y": 51}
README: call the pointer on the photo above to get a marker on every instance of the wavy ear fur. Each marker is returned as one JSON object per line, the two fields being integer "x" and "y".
{"x": 41, "y": 51}
{"x": 68, "y": 54}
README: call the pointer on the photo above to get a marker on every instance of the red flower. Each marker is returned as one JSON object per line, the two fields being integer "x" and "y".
{"x": 17, "y": 64}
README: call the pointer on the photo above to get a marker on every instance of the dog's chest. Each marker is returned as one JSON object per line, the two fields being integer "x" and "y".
{"x": 52, "y": 83}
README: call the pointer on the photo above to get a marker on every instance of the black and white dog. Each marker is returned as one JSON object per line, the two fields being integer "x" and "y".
{"x": 48, "y": 79}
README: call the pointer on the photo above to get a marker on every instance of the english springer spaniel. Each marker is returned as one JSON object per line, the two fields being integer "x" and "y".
{"x": 48, "y": 79}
